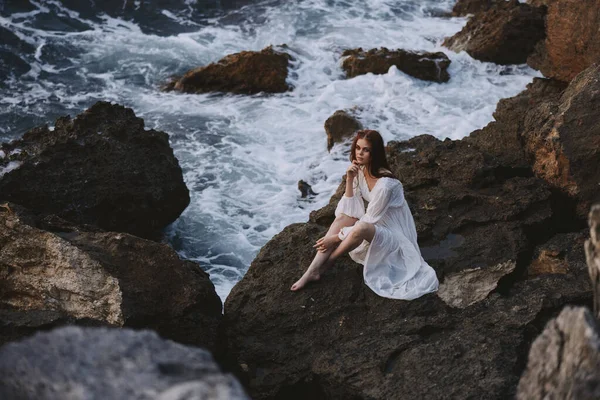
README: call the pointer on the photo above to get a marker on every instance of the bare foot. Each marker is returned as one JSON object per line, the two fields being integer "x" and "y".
{"x": 307, "y": 277}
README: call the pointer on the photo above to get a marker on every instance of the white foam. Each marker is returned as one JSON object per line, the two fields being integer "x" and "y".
{"x": 11, "y": 166}
{"x": 243, "y": 155}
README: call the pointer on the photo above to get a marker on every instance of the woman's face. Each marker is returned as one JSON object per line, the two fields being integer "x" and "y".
{"x": 363, "y": 152}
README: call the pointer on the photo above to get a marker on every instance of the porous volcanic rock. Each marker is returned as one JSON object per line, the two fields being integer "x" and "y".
{"x": 564, "y": 361}
{"x": 53, "y": 273}
{"x": 101, "y": 168}
{"x": 505, "y": 34}
{"x": 422, "y": 65}
{"x": 562, "y": 136}
{"x": 555, "y": 256}
{"x": 247, "y": 72}
{"x": 101, "y": 363}
{"x": 340, "y": 126}
{"x": 572, "y": 41}
{"x": 465, "y": 7}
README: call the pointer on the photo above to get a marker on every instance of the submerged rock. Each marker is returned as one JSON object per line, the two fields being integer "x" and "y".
{"x": 505, "y": 34}
{"x": 426, "y": 66}
{"x": 247, "y": 72}
{"x": 564, "y": 361}
{"x": 101, "y": 168}
{"x": 340, "y": 126}
{"x": 100, "y": 363}
{"x": 572, "y": 41}
{"x": 305, "y": 189}
{"x": 52, "y": 273}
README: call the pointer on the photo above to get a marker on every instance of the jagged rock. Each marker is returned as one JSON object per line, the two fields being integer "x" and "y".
{"x": 572, "y": 41}
{"x": 555, "y": 256}
{"x": 305, "y": 189}
{"x": 466, "y": 7}
{"x": 505, "y": 34}
{"x": 101, "y": 168}
{"x": 340, "y": 126}
{"x": 539, "y": 3}
{"x": 51, "y": 274}
{"x": 247, "y": 72}
{"x": 101, "y": 363}
{"x": 467, "y": 287}
{"x": 562, "y": 136}
{"x": 564, "y": 361}
{"x": 422, "y": 65}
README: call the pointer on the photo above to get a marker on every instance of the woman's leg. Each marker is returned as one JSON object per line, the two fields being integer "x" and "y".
{"x": 362, "y": 231}
{"x": 313, "y": 272}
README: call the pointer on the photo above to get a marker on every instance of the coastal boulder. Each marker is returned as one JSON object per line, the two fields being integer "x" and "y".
{"x": 101, "y": 168}
{"x": 465, "y": 7}
{"x": 52, "y": 272}
{"x": 101, "y": 363}
{"x": 562, "y": 137}
{"x": 564, "y": 361}
{"x": 572, "y": 41}
{"x": 421, "y": 65}
{"x": 505, "y": 34}
{"x": 247, "y": 72}
{"x": 340, "y": 126}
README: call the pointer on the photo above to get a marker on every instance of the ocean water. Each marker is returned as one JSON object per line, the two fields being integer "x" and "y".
{"x": 242, "y": 156}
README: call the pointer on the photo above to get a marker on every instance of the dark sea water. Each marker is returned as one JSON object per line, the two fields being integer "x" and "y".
{"x": 242, "y": 156}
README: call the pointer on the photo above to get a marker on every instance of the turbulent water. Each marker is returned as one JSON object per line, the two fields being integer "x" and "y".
{"x": 242, "y": 156}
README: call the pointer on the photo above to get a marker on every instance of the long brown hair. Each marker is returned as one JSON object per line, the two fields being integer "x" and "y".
{"x": 378, "y": 158}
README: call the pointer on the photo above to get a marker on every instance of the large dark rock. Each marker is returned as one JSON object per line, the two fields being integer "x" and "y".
{"x": 100, "y": 363}
{"x": 562, "y": 137}
{"x": 572, "y": 41}
{"x": 248, "y": 72}
{"x": 340, "y": 126}
{"x": 53, "y": 273}
{"x": 101, "y": 168}
{"x": 422, "y": 65}
{"x": 505, "y": 34}
{"x": 564, "y": 361}
{"x": 487, "y": 225}
{"x": 466, "y": 7}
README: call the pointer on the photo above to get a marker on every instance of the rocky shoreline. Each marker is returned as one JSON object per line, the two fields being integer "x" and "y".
{"x": 500, "y": 214}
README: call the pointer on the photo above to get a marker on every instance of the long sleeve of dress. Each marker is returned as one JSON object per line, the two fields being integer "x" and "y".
{"x": 351, "y": 206}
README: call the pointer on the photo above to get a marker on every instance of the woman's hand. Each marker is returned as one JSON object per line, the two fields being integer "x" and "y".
{"x": 352, "y": 170}
{"x": 326, "y": 243}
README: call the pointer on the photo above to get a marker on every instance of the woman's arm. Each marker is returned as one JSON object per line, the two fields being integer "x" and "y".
{"x": 351, "y": 175}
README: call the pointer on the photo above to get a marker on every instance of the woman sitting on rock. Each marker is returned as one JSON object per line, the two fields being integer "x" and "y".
{"x": 383, "y": 238}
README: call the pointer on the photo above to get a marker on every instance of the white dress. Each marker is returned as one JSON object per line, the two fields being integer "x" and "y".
{"x": 393, "y": 265}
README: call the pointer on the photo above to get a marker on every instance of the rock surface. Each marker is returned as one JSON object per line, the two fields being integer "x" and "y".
{"x": 247, "y": 72}
{"x": 100, "y": 363}
{"x": 465, "y": 7}
{"x": 572, "y": 41}
{"x": 505, "y": 34}
{"x": 52, "y": 273}
{"x": 479, "y": 210}
{"x": 340, "y": 126}
{"x": 562, "y": 136}
{"x": 101, "y": 168}
{"x": 564, "y": 361}
{"x": 426, "y": 66}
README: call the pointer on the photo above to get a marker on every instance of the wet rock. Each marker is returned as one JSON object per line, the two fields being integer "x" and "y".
{"x": 465, "y": 7}
{"x": 505, "y": 34}
{"x": 305, "y": 189}
{"x": 467, "y": 287}
{"x": 337, "y": 339}
{"x": 562, "y": 137}
{"x": 101, "y": 168}
{"x": 340, "y": 126}
{"x": 247, "y": 72}
{"x": 426, "y": 66}
{"x": 51, "y": 274}
{"x": 572, "y": 41}
{"x": 100, "y": 363}
{"x": 564, "y": 361}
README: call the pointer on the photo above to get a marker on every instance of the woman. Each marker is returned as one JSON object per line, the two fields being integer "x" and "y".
{"x": 383, "y": 238}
